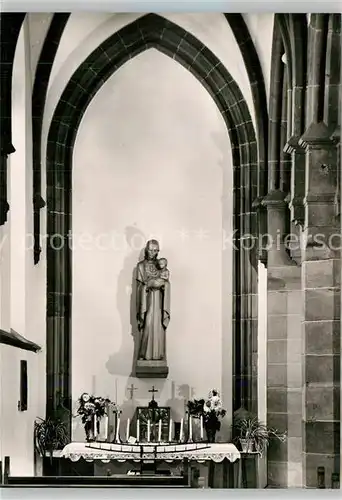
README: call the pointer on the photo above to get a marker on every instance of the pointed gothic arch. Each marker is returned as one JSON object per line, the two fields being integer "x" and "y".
{"x": 39, "y": 93}
{"x": 149, "y": 31}
{"x": 10, "y": 26}
{"x": 257, "y": 83}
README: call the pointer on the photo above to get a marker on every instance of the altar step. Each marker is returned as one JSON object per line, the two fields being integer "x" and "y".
{"x": 115, "y": 481}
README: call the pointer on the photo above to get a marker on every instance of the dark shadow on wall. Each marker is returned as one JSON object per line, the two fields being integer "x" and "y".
{"x": 133, "y": 315}
{"x": 180, "y": 395}
{"x": 123, "y": 361}
{"x": 128, "y": 408}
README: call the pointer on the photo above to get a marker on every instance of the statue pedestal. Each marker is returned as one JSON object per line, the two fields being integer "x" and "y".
{"x": 151, "y": 369}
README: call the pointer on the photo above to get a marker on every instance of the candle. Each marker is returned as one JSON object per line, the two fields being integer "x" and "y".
{"x": 127, "y": 430}
{"x": 138, "y": 430}
{"x": 181, "y": 431}
{"x": 190, "y": 428}
{"x": 148, "y": 430}
{"x": 106, "y": 426}
{"x": 170, "y": 431}
{"x": 201, "y": 426}
{"x": 159, "y": 430}
{"x": 117, "y": 440}
{"x": 95, "y": 425}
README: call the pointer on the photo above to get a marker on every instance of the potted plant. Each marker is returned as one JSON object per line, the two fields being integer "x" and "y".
{"x": 92, "y": 409}
{"x": 50, "y": 434}
{"x": 252, "y": 434}
{"x": 210, "y": 410}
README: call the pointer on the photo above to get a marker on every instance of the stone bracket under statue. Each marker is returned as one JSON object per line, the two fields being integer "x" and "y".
{"x": 151, "y": 369}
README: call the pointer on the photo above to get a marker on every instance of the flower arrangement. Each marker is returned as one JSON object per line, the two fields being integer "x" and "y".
{"x": 90, "y": 406}
{"x": 210, "y": 410}
{"x": 196, "y": 407}
{"x": 91, "y": 409}
{"x": 213, "y": 405}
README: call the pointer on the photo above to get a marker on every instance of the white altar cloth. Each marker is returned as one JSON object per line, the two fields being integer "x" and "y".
{"x": 105, "y": 452}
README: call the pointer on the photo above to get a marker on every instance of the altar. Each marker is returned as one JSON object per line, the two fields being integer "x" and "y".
{"x": 213, "y": 465}
{"x": 152, "y": 445}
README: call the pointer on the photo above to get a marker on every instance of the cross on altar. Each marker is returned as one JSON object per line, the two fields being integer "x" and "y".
{"x": 131, "y": 390}
{"x": 153, "y": 390}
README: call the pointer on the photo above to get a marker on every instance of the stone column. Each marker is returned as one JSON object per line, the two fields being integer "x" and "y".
{"x": 58, "y": 356}
{"x": 245, "y": 309}
{"x": 321, "y": 325}
{"x": 283, "y": 349}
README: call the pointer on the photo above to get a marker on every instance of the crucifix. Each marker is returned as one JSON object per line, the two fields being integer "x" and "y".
{"x": 153, "y": 403}
{"x": 131, "y": 390}
{"x": 153, "y": 390}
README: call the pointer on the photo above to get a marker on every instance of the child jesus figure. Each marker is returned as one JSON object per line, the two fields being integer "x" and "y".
{"x": 162, "y": 277}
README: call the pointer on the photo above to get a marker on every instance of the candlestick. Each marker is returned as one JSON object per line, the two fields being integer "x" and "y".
{"x": 181, "y": 431}
{"x": 117, "y": 439}
{"x": 148, "y": 430}
{"x": 127, "y": 430}
{"x": 159, "y": 430}
{"x": 190, "y": 428}
{"x": 201, "y": 426}
{"x": 95, "y": 426}
{"x": 170, "y": 431}
{"x": 138, "y": 430}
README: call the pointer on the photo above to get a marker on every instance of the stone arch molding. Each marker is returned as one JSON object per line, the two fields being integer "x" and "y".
{"x": 149, "y": 31}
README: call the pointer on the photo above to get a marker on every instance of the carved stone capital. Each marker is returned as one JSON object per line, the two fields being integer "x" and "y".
{"x": 275, "y": 199}
{"x": 293, "y": 146}
{"x": 317, "y": 136}
{"x": 257, "y": 203}
{"x": 275, "y": 202}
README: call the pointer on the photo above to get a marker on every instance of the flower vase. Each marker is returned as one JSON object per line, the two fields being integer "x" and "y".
{"x": 90, "y": 430}
{"x": 212, "y": 425}
{"x": 211, "y": 434}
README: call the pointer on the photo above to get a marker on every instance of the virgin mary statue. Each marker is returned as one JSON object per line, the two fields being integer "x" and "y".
{"x": 153, "y": 305}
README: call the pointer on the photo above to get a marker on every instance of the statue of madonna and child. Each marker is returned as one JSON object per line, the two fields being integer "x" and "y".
{"x": 153, "y": 313}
